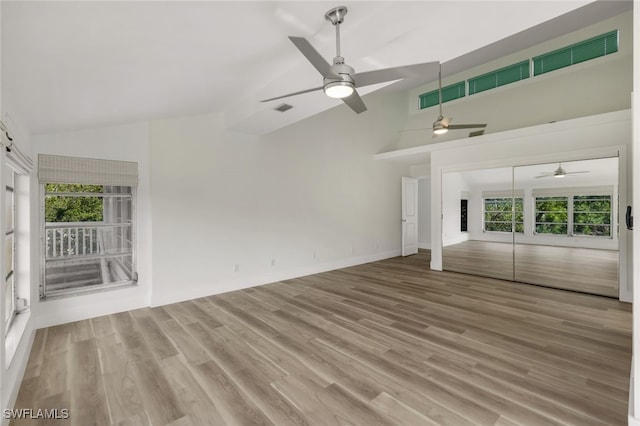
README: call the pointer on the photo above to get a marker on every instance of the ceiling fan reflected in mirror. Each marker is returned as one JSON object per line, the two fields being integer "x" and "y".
{"x": 442, "y": 125}
{"x": 559, "y": 173}
{"x": 339, "y": 79}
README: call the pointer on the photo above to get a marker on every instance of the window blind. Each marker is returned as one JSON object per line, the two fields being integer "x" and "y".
{"x": 592, "y": 48}
{"x": 449, "y": 93}
{"x": 500, "y": 77}
{"x": 90, "y": 171}
{"x": 507, "y": 193}
{"x": 582, "y": 190}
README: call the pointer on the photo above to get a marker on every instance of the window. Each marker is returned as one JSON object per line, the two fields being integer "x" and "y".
{"x": 581, "y": 215}
{"x": 499, "y": 214}
{"x": 592, "y": 48}
{"x": 10, "y": 294}
{"x": 552, "y": 215}
{"x": 15, "y": 168}
{"x": 585, "y": 50}
{"x": 500, "y": 77}
{"x": 592, "y": 215}
{"x": 89, "y": 224}
{"x": 449, "y": 93}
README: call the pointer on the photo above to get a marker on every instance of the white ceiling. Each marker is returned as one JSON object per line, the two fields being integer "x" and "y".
{"x": 71, "y": 65}
{"x": 600, "y": 172}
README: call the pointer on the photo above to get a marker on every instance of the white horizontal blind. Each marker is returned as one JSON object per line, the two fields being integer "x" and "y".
{"x": 581, "y": 190}
{"x": 507, "y": 193}
{"x": 88, "y": 171}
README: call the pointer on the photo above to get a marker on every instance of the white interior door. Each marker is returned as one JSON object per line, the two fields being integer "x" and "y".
{"x": 409, "y": 216}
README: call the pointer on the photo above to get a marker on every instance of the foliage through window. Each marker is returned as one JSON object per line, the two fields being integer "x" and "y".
{"x": 552, "y": 215}
{"x": 588, "y": 215}
{"x": 499, "y": 214}
{"x": 592, "y": 215}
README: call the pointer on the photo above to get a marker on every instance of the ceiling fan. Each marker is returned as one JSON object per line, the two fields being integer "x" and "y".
{"x": 559, "y": 173}
{"x": 339, "y": 79}
{"x": 442, "y": 125}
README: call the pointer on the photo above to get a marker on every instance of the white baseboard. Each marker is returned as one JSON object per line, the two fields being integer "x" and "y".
{"x": 426, "y": 246}
{"x": 210, "y": 289}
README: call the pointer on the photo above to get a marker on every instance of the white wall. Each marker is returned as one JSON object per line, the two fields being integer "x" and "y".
{"x": 125, "y": 143}
{"x": 424, "y": 213}
{"x": 304, "y": 199}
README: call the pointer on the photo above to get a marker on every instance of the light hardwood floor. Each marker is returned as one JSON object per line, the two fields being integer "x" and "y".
{"x": 384, "y": 343}
{"x": 570, "y": 268}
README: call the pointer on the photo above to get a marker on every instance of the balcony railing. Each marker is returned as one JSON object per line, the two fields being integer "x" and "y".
{"x": 87, "y": 254}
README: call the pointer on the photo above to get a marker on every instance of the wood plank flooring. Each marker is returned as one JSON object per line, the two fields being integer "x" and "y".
{"x": 386, "y": 343}
{"x": 570, "y": 268}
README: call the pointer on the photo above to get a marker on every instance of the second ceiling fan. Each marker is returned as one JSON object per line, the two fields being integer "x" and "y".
{"x": 442, "y": 125}
{"x": 339, "y": 79}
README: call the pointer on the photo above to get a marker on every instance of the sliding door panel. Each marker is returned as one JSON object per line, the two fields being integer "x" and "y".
{"x": 569, "y": 238}
{"x": 477, "y": 220}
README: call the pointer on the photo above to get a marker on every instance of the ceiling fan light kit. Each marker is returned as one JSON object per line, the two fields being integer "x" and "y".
{"x": 559, "y": 173}
{"x": 338, "y": 89}
{"x": 438, "y": 127}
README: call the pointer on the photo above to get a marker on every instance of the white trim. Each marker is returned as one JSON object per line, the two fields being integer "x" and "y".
{"x": 14, "y": 336}
{"x": 15, "y": 374}
{"x": 621, "y": 117}
{"x": 210, "y": 289}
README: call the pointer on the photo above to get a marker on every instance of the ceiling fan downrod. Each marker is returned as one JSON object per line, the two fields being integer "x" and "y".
{"x": 336, "y": 17}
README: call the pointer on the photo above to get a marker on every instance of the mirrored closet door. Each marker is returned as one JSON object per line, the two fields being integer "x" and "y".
{"x": 485, "y": 246}
{"x": 552, "y": 224}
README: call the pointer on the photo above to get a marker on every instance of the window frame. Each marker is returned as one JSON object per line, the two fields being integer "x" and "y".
{"x": 10, "y": 231}
{"x": 45, "y": 293}
{"x": 571, "y": 212}
{"x": 513, "y": 212}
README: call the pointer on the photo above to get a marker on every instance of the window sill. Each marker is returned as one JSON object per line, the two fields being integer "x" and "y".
{"x": 15, "y": 335}
{"x": 62, "y": 294}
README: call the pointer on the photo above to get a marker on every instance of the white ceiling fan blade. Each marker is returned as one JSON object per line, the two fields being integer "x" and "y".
{"x": 396, "y": 73}
{"x": 543, "y": 175}
{"x": 355, "y": 102}
{"x": 312, "y": 56}
{"x": 573, "y": 173}
{"x": 293, "y": 94}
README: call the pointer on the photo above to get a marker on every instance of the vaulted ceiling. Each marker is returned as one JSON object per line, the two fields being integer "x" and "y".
{"x": 72, "y": 65}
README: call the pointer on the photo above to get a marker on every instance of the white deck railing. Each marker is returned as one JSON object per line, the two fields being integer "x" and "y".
{"x": 84, "y": 239}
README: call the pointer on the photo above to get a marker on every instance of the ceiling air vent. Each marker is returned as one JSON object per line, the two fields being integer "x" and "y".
{"x": 283, "y": 107}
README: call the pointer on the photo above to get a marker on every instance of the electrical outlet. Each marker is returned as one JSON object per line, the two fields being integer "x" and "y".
{"x": 236, "y": 268}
